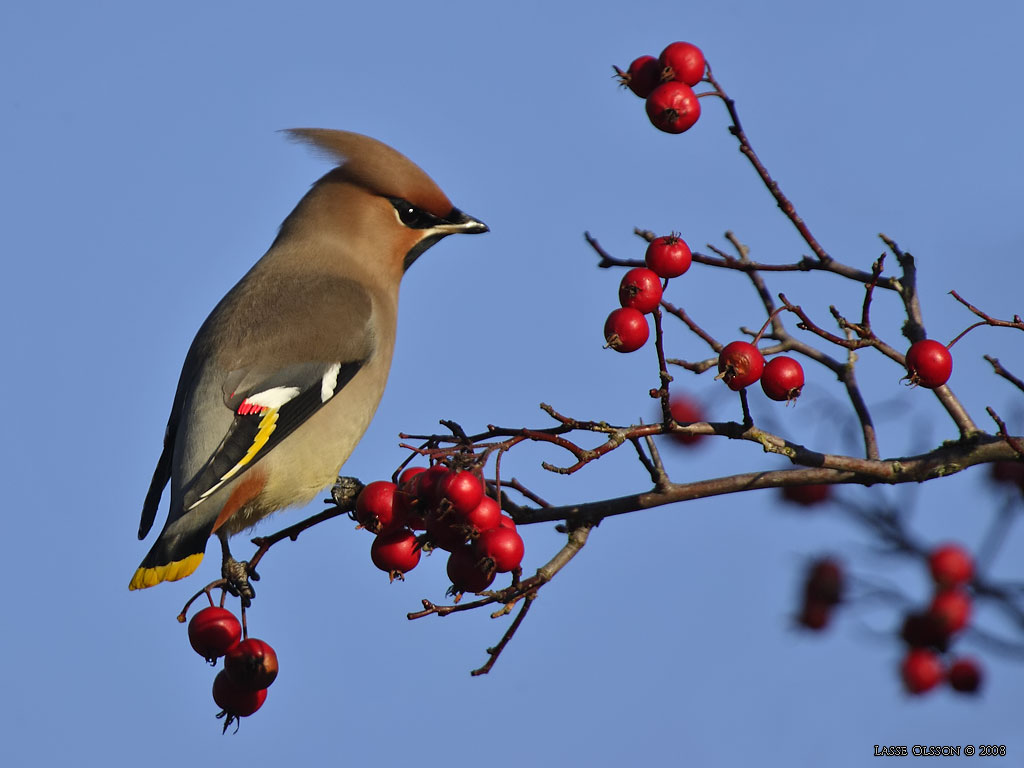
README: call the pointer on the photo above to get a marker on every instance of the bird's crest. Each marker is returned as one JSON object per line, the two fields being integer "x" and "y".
{"x": 377, "y": 167}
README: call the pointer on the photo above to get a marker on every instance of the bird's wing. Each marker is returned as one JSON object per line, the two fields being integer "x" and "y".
{"x": 268, "y": 406}
{"x": 266, "y": 360}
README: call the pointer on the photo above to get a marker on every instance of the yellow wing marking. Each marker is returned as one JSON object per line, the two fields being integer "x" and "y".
{"x": 267, "y": 426}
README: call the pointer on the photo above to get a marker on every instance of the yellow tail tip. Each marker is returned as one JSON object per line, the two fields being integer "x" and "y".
{"x": 179, "y": 569}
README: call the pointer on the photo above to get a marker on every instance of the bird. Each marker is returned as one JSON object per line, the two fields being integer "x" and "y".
{"x": 284, "y": 376}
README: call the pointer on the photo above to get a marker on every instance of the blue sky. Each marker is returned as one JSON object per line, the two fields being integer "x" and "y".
{"x": 142, "y": 175}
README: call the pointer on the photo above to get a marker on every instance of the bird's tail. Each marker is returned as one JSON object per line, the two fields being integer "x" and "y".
{"x": 171, "y": 558}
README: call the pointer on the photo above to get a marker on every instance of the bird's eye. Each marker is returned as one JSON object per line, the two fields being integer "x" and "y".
{"x": 411, "y": 216}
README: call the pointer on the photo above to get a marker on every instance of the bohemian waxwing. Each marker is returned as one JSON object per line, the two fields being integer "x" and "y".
{"x": 285, "y": 374}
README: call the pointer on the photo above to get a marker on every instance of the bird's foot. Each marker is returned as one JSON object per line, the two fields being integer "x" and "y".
{"x": 239, "y": 576}
{"x": 345, "y": 490}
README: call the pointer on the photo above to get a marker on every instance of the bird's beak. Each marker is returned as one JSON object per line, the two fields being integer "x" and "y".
{"x": 459, "y": 222}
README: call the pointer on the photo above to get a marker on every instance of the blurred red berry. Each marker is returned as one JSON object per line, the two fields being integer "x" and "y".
{"x": 685, "y": 62}
{"x": 235, "y": 700}
{"x": 953, "y": 606}
{"x": 686, "y": 410}
{"x": 640, "y": 289}
{"x": 668, "y": 256}
{"x": 921, "y": 670}
{"x": 815, "y": 615}
{"x": 782, "y": 379}
{"x": 824, "y": 582}
{"x": 395, "y": 551}
{"x": 506, "y": 522}
{"x": 252, "y": 664}
{"x": 929, "y": 363}
{"x": 740, "y": 364}
{"x": 673, "y": 107}
{"x": 502, "y": 545}
{"x": 1009, "y": 472}
{"x": 376, "y": 509}
{"x": 213, "y": 632}
{"x": 626, "y": 330}
{"x": 466, "y": 571}
{"x": 965, "y": 675}
{"x": 643, "y": 76}
{"x": 950, "y": 565}
{"x": 924, "y": 630}
{"x": 807, "y": 495}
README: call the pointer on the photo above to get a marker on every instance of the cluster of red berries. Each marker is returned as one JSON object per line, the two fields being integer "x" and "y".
{"x": 640, "y": 291}
{"x": 250, "y": 665}
{"x": 929, "y": 364}
{"x": 928, "y": 633}
{"x": 453, "y": 513}
{"x": 823, "y": 590}
{"x": 667, "y": 84}
{"x": 740, "y": 364}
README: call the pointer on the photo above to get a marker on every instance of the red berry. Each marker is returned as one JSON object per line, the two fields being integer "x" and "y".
{"x": 807, "y": 495}
{"x": 673, "y": 107}
{"x": 740, "y": 364}
{"x": 626, "y": 330}
{"x": 376, "y": 509}
{"x": 466, "y": 572}
{"x": 506, "y": 522}
{"x": 640, "y": 289}
{"x": 463, "y": 489}
{"x": 929, "y": 363}
{"x": 815, "y": 615}
{"x": 409, "y": 473}
{"x": 965, "y": 675}
{"x": 502, "y": 545}
{"x": 686, "y": 62}
{"x": 950, "y": 565}
{"x": 486, "y": 515}
{"x": 427, "y": 484}
{"x": 686, "y": 410}
{"x": 446, "y": 535}
{"x": 213, "y": 632}
{"x": 924, "y": 630}
{"x": 668, "y": 256}
{"x": 235, "y": 700}
{"x": 643, "y": 76}
{"x": 921, "y": 670}
{"x": 252, "y": 664}
{"x": 1009, "y": 472}
{"x": 783, "y": 378}
{"x": 824, "y": 582}
{"x": 395, "y": 551}
{"x": 953, "y": 606}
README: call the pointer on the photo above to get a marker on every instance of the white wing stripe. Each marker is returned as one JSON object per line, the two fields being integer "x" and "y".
{"x": 273, "y": 398}
{"x": 329, "y": 382}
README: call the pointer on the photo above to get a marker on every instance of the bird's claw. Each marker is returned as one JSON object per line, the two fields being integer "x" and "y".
{"x": 238, "y": 576}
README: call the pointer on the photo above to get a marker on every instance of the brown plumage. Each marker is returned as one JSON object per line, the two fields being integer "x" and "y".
{"x": 284, "y": 376}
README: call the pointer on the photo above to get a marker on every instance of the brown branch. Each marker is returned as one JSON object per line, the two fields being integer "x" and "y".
{"x": 986, "y": 318}
{"x": 949, "y": 459}
{"x": 999, "y": 370}
{"x": 784, "y": 203}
